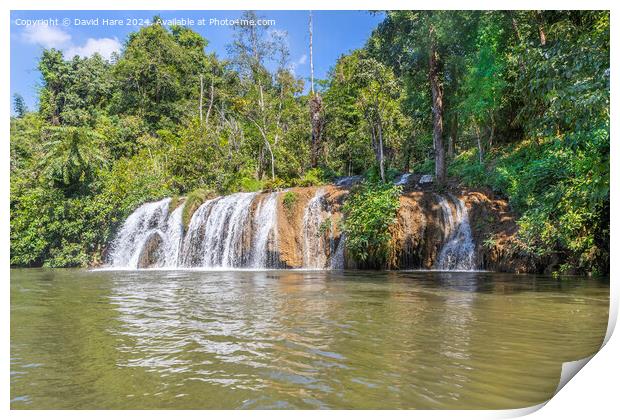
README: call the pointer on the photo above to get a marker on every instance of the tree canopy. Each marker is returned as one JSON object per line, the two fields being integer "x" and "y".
{"x": 513, "y": 101}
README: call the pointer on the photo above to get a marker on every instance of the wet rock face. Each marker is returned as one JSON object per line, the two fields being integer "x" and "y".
{"x": 298, "y": 247}
{"x": 419, "y": 233}
{"x": 151, "y": 252}
{"x": 494, "y": 229}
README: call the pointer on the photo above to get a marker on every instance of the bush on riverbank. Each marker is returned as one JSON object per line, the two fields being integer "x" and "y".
{"x": 369, "y": 212}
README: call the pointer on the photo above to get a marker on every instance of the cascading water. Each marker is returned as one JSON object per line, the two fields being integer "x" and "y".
{"x": 216, "y": 232}
{"x": 349, "y": 181}
{"x": 315, "y": 245}
{"x": 145, "y": 224}
{"x": 174, "y": 238}
{"x": 266, "y": 232}
{"x": 337, "y": 262}
{"x": 457, "y": 252}
{"x": 241, "y": 231}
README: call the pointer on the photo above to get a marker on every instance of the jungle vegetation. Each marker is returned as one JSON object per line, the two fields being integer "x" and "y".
{"x": 512, "y": 101}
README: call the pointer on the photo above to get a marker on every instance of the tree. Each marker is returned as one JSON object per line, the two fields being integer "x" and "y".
{"x": 316, "y": 108}
{"x": 54, "y": 71}
{"x": 434, "y": 62}
{"x": 72, "y": 156}
{"x": 428, "y": 43}
{"x": 19, "y": 106}
{"x": 369, "y": 89}
{"x": 158, "y": 74}
{"x": 484, "y": 84}
{"x": 263, "y": 94}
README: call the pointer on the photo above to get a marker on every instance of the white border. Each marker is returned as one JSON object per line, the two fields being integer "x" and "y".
{"x": 593, "y": 393}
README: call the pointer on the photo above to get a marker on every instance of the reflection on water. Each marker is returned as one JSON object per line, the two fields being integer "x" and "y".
{"x": 295, "y": 339}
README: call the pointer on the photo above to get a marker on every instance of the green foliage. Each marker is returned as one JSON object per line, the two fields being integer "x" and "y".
{"x": 369, "y": 212}
{"x": 276, "y": 184}
{"x": 289, "y": 200}
{"x": 313, "y": 177}
{"x": 174, "y": 203}
{"x": 194, "y": 200}
{"x": 19, "y": 106}
{"x": 249, "y": 184}
{"x": 527, "y": 115}
{"x": 562, "y": 201}
{"x": 365, "y": 117}
{"x": 325, "y": 227}
{"x": 50, "y": 229}
{"x": 72, "y": 155}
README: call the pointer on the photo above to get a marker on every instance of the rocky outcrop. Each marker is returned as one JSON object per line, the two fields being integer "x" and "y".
{"x": 494, "y": 229}
{"x": 291, "y": 212}
{"x": 419, "y": 232}
{"x": 151, "y": 251}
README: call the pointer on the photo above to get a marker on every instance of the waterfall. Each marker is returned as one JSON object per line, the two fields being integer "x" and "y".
{"x": 425, "y": 179}
{"x": 315, "y": 247}
{"x": 457, "y": 252}
{"x": 241, "y": 231}
{"x": 143, "y": 226}
{"x": 266, "y": 232}
{"x": 174, "y": 237}
{"x": 215, "y": 235}
{"x": 338, "y": 258}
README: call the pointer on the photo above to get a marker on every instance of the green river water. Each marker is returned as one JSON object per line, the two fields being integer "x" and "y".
{"x": 296, "y": 339}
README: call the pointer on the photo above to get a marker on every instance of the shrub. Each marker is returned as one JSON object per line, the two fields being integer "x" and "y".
{"x": 274, "y": 184}
{"x": 289, "y": 200}
{"x": 315, "y": 176}
{"x": 369, "y": 212}
{"x": 174, "y": 203}
{"x": 560, "y": 192}
{"x": 250, "y": 184}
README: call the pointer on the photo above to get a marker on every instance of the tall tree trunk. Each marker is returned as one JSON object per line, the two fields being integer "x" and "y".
{"x": 311, "y": 62}
{"x": 273, "y": 161}
{"x": 380, "y": 145}
{"x": 454, "y": 128}
{"x": 316, "y": 120}
{"x": 316, "y": 110}
{"x": 407, "y": 160}
{"x": 212, "y": 95}
{"x": 201, "y": 95}
{"x": 515, "y": 27}
{"x": 437, "y": 97}
{"x": 492, "y": 134}
{"x": 479, "y": 139}
{"x": 541, "y": 29}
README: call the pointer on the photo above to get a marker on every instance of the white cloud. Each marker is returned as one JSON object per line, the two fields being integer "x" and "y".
{"x": 104, "y": 46}
{"x": 302, "y": 60}
{"x": 46, "y": 36}
{"x": 51, "y": 37}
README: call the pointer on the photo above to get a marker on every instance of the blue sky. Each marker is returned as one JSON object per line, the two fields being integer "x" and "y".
{"x": 335, "y": 33}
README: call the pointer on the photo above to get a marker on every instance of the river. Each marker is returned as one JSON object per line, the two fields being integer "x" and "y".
{"x": 189, "y": 339}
